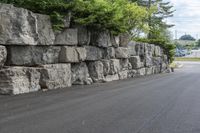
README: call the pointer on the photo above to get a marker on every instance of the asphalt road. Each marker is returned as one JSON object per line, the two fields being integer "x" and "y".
{"x": 166, "y": 103}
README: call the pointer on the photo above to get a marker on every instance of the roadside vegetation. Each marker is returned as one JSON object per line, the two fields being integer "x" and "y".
{"x": 187, "y": 59}
{"x": 118, "y": 16}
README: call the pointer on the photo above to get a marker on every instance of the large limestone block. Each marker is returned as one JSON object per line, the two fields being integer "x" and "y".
{"x": 157, "y": 51}
{"x": 72, "y": 54}
{"x": 141, "y": 72}
{"x": 3, "y": 55}
{"x": 123, "y": 74}
{"x": 115, "y": 40}
{"x": 132, "y": 73}
{"x": 101, "y": 38}
{"x": 110, "y": 78}
{"x": 45, "y": 32}
{"x": 140, "y": 49}
{"x": 32, "y": 55}
{"x": 55, "y": 76}
{"x": 149, "y": 70}
{"x": 157, "y": 61}
{"x": 67, "y": 37}
{"x": 106, "y": 67}
{"x": 109, "y": 53}
{"x": 96, "y": 71}
{"x": 80, "y": 74}
{"x": 148, "y": 61}
{"x": 124, "y": 40}
{"x": 132, "y": 49}
{"x": 125, "y": 64}
{"x": 114, "y": 66}
{"x": 19, "y": 26}
{"x": 122, "y": 52}
{"x": 84, "y": 36}
{"x": 136, "y": 62}
{"x": 18, "y": 80}
{"x": 93, "y": 53}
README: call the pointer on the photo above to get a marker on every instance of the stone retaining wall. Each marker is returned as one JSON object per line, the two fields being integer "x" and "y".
{"x": 33, "y": 57}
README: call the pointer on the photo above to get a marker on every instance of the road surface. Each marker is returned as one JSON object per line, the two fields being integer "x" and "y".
{"x": 166, "y": 103}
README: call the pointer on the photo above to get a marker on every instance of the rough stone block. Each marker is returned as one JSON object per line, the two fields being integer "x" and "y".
{"x": 18, "y": 80}
{"x": 132, "y": 49}
{"x": 149, "y": 70}
{"x": 106, "y": 67}
{"x": 124, "y": 40}
{"x": 96, "y": 71}
{"x": 140, "y": 49}
{"x": 122, "y": 53}
{"x": 19, "y": 26}
{"x": 123, "y": 74}
{"x": 67, "y": 37}
{"x": 136, "y": 62}
{"x": 80, "y": 74}
{"x": 132, "y": 73}
{"x": 114, "y": 66}
{"x": 45, "y": 32}
{"x": 72, "y": 54}
{"x": 3, "y": 55}
{"x": 32, "y": 55}
{"x": 125, "y": 64}
{"x": 115, "y": 40}
{"x": 83, "y": 36}
{"x": 109, "y": 53}
{"x": 141, "y": 72}
{"x": 93, "y": 53}
{"x": 110, "y": 78}
{"x": 157, "y": 51}
{"x": 101, "y": 38}
{"x": 55, "y": 76}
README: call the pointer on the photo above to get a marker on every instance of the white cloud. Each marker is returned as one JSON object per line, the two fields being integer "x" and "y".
{"x": 186, "y": 17}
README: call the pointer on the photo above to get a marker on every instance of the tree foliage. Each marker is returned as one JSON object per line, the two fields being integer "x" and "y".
{"x": 187, "y": 37}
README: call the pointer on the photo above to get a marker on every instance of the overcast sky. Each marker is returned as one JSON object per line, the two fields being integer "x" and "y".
{"x": 186, "y": 17}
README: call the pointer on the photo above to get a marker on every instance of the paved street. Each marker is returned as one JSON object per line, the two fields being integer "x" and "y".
{"x": 166, "y": 103}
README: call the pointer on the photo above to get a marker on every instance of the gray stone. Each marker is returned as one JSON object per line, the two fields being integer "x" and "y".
{"x": 67, "y": 37}
{"x": 148, "y": 61}
{"x": 83, "y": 36}
{"x": 140, "y": 48}
{"x": 55, "y": 76}
{"x": 3, "y": 55}
{"x": 82, "y": 53}
{"x": 19, "y": 26}
{"x": 136, "y": 62}
{"x": 109, "y": 53}
{"x": 115, "y": 40}
{"x": 157, "y": 51}
{"x": 149, "y": 70}
{"x": 32, "y": 55}
{"x": 125, "y": 64}
{"x": 93, "y": 53}
{"x": 123, "y": 74}
{"x": 18, "y": 80}
{"x": 122, "y": 53}
{"x": 45, "y": 32}
{"x": 141, "y": 72}
{"x": 157, "y": 61}
{"x": 132, "y": 49}
{"x": 106, "y": 67}
{"x": 110, "y": 78}
{"x": 80, "y": 74}
{"x": 101, "y": 38}
{"x": 114, "y": 66}
{"x": 124, "y": 40}
{"x": 132, "y": 73}
{"x": 72, "y": 54}
{"x": 96, "y": 71}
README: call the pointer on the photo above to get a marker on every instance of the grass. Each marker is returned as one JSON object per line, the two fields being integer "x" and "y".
{"x": 187, "y": 59}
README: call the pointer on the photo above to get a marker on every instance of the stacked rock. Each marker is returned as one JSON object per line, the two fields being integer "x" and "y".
{"x": 34, "y": 57}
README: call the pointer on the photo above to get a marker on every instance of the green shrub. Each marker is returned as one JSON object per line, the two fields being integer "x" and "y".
{"x": 118, "y": 16}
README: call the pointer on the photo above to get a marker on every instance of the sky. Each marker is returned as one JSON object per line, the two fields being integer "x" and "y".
{"x": 186, "y": 18}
